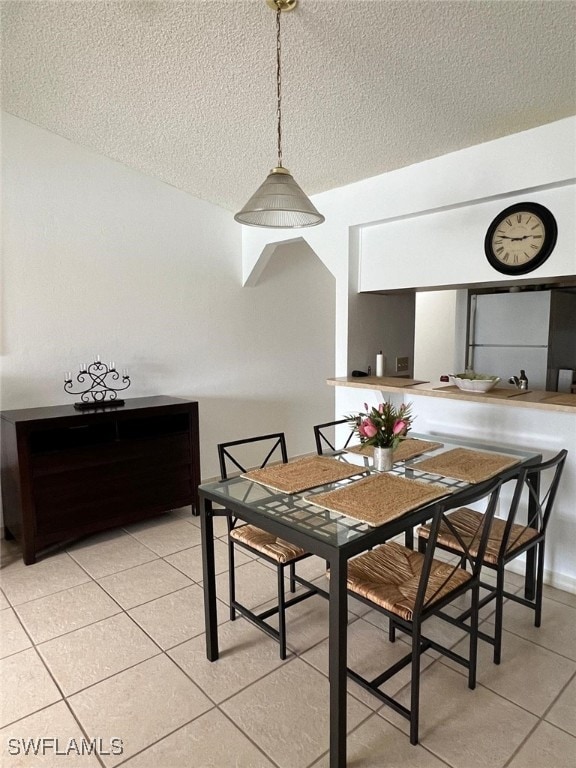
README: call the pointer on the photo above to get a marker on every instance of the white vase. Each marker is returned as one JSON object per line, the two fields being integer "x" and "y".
{"x": 383, "y": 460}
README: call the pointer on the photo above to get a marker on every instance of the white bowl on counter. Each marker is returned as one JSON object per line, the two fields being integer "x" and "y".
{"x": 475, "y": 382}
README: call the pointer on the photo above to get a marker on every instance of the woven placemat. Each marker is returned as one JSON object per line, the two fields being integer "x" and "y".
{"x": 363, "y": 450}
{"x": 302, "y": 474}
{"x": 378, "y": 499}
{"x": 407, "y": 449}
{"x": 467, "y": 465}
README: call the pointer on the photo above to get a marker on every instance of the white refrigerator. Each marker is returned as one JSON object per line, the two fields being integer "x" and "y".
{"x": 509, "y": 332}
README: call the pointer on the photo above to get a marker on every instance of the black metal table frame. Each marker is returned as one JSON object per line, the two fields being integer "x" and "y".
{"x": 337, "y": 557}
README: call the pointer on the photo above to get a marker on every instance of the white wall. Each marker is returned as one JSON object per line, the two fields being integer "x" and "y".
{"x": 424, "y": 225}
{"x": 100, "y": 259}
{"x": 446, "y": 247}
{"x": 434, "y": 215}
{"x": 377, "y": 323}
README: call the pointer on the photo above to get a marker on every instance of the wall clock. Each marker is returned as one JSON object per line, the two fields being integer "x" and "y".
{"x": 520, "y": 238}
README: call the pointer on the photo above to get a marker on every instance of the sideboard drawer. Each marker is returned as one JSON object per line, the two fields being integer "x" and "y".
{"x": 67, "y": 473}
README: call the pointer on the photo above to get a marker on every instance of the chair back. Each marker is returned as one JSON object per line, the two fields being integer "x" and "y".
{"x": 324, "y": 435}
{"x": 541, "y": 497}
{"x": 488, "y": 491}
{"x": 247, "y": 453}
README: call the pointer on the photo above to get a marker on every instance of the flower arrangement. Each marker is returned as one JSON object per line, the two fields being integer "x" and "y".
{"x": 382, "y": 426}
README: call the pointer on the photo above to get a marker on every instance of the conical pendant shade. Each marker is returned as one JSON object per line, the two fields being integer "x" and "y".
{"x": 279, "y": 203}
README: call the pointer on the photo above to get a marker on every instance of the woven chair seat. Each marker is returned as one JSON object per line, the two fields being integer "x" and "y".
{"x": 389, "y": 576}
{"x": 469, "y": 524}
{"x": 266, "y": 543}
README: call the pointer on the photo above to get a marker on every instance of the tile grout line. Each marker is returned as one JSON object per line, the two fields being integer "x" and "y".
{"x": 247, "y": 736}
{"x": 524, "y": 741}
{"x": 561, "y": 692}
{"x": 165, "y": 736}
{"x": 161, "y": 652}
{"x": 296, "y": 654}
{"x": 539, "y": 645}
{"x": 83, "y": 730}
{"x": 283, "y": 663}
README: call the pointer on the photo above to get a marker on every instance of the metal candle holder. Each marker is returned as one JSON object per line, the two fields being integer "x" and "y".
{"x": 97, "y": 380}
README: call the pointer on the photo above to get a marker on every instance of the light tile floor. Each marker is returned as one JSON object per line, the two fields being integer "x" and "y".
{"x": 104, "y": 640}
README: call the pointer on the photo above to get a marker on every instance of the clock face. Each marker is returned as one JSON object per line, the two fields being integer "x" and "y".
{"x": 521, "y": 238}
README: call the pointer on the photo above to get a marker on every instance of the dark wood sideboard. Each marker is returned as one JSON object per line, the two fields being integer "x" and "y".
{"x": 66, "y": 473}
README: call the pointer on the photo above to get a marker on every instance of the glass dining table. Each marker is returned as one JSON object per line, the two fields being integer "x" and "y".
{"x": 336, "y": 537}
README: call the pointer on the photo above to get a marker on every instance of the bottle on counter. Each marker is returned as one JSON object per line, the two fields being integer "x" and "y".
{"x": 523, "y": 380}
{"x": 380, "y": 364}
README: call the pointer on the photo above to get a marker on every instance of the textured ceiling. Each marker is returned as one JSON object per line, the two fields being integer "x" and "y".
{"x": 185, "y": 91}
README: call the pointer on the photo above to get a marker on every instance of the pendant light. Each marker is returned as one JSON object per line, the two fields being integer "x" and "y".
{"x": 279, "y": 202}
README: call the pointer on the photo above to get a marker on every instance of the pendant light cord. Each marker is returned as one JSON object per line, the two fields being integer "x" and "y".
{"x": 279, "y": 87}
{"x": 279, "y": 203}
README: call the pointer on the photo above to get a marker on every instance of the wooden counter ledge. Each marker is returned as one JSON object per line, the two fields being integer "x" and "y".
{"x": 509, "y": 396}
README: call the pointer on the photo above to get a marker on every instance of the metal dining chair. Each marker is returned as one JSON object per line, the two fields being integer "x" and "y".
{"x": 507, "y": 540}
{"x": 410, "y": 587}
{"x": 279, "y": 553}
{"x": 325, "y": 438}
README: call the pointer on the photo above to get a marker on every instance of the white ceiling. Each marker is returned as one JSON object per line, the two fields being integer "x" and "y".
{"x": 185, "y": 91}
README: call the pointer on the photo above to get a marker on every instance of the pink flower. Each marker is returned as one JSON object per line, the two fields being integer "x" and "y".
{"x": 381, "y": 407}
{"x": 367, "y": 429}
{"x": 399, "y": 427}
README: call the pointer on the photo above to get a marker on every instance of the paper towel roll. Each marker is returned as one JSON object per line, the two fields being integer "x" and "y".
{"x": 565, "y": 378}
{"x": 380, "y": 364}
